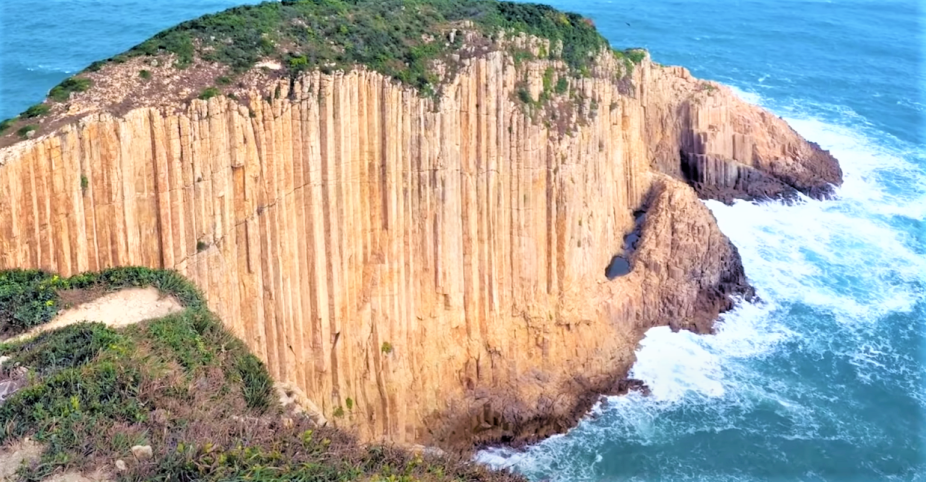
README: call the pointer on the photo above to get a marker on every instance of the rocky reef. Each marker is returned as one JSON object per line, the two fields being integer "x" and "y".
{"x": 434, "y": 255}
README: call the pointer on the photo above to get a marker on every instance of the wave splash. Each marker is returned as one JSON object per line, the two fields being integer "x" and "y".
{"x": 825, "y": 364}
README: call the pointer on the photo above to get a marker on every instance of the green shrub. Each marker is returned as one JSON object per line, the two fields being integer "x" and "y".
{"x": 67, "y": 347}
{"x": 96, "y": 66}
{"x": 635, "y": 55}
{"x": 224, "y": 80}
{"x": 27, "y": 299}
{"x": 257, "y": 386}
{"x": 6, "y": 124}
{"x": 25, "y": 130}
{"x": 145, "y": 74}
{"x": 386, "y": 348}
{"x": 388, "y": 36}
{"x": 62, "y": 92}
{"x": 562, "y": 85}
{"x": 187, "y": 388}
{"x": 209, "y": 93}
{"x": 548, "y": 79}
{"x": 525, "y": 96}
{"x": 36, "y": 111}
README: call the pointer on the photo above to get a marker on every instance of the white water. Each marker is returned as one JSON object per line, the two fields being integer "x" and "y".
{"x": 845, "y": 260}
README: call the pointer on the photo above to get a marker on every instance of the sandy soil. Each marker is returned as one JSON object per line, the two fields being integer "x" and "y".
{"x": 122, "y": 308}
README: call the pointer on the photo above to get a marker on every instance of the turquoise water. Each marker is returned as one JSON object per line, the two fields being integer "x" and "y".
{"x": 823, "y": 380}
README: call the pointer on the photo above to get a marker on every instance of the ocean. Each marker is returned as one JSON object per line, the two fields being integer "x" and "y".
{"x": 823, "y": 379}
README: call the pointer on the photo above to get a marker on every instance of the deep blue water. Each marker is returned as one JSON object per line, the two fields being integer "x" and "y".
{"x": 824, "y": 380}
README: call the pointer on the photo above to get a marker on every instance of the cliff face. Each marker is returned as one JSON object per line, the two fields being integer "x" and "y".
{"x": 425, "y": 272}
{"x": 701, "y": 132}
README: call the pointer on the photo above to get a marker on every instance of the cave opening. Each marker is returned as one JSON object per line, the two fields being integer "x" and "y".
{"x": 620, "y": 263}
{"x": 687, "y": 168}
{"x": 619, "y": 266}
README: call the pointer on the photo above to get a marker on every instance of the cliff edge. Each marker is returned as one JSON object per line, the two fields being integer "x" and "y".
{"x": 457, "y": 245}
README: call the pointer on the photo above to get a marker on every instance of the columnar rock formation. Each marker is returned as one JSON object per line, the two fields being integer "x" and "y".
{"x": 426, "y": 272}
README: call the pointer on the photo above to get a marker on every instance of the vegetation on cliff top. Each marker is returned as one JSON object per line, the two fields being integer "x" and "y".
{"x": 398, "y": 38}
{"x": 181, "y": 384}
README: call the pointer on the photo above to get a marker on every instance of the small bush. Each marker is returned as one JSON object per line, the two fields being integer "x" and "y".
{"x": 36, "y": 111}
{"x": 209, "y": 93}
{"x": 187, "y": 388}
{"x": 27, "y": 299}
{"x": 257, "y": 386}
{"x": 201, "y": 246}
{"x": 62, "y": 92}
{"x": 387, "y": 347}
{"x": 6, "y": 124}
{"x": 96, "y": 66}
{"x": 548, "y": 79}
{"x": 635, "y": 55}
{"x": 562, "y": 85}
{"x": 25, "y": 130}
{"x": 145, "y": 74}
{"x": 68, "y": 347}
{"x": 223, "y": 80}
{"x": 525, "y": 96}
{"x": 84, "y": 183}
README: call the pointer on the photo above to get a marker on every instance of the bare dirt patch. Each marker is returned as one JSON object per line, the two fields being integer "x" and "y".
{"x": 14, "y": 456}
{"x": 122, "y": 308}
{"x": 77, "y": 297}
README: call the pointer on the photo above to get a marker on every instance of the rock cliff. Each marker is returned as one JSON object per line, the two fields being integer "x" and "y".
{"x": 427, "y": 270}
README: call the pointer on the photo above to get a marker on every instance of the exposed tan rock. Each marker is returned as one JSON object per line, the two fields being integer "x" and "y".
{"x": 351, "y": 215}
{"x": 142, "y": 452}
{"x": 702, "y": 132}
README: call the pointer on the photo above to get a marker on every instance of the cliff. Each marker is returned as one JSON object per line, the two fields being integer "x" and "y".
{"x": 427, "y": 269}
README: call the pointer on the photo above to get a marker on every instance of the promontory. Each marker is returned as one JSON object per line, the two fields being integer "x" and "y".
{"x": 444, "y": 223}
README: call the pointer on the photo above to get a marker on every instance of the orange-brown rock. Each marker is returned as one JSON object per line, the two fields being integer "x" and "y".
{"x": 440, "y": 264}
{"x": 726, "y": 148}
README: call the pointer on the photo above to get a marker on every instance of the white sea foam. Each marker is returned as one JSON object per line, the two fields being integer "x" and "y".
{"x": 843, "y": 259}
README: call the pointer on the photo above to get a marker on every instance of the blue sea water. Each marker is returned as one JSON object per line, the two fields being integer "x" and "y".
{"x": 821, "y": 381}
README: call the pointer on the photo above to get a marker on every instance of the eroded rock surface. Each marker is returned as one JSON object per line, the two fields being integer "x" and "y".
{"x": 439, "y": 265}
{"x": 726, "y": 148}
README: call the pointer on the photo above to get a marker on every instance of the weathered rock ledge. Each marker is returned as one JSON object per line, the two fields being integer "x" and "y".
{"x": 440, "y": 265}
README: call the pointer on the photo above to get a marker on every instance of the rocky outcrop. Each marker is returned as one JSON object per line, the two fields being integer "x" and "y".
{"x": 425, "y": 272}
{"x": 728, "y": 149}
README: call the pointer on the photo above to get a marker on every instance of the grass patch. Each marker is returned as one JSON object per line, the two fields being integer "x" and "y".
{"x": 6, "y": 124}
{"x": 36, "y": 111}
{"x": 190, "y": 390}
{"x": 209, "y": 93}
{"x": 62, "y": 92}
{"x": 29, "y": 298}
{"x": 25, "y": 130}
{"x": 145, "y": 74}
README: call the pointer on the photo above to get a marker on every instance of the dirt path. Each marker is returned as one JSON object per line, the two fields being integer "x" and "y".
{"x": 122, "y": 308}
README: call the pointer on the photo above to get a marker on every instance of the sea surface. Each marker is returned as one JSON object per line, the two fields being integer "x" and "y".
{"x": 821, "y": 381}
